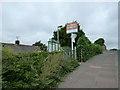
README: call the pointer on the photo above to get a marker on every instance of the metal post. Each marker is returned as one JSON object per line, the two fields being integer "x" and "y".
{"x": 48, "y": 47}
{"x": 81, "y": 55}
{"x": 69, "y": 53}
{"x": 75, "y": 53}
{"x": 72, "y": 44}
{"x": 58, "y": 35}
{"x": 58, "y": 32}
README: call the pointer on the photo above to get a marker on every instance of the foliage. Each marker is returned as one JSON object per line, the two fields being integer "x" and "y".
{"x": 82, "y": 41}
{"x": 66, "y": 49}
{"x": 55, "y": 52}
{"x": 34, "y": 70}
{"x": 22, "y": 70}
{"x": 100, "y": 41}
{"x": 64, "y": 38}
{"x": 41, "y": 45}
{"x": 86, "y": 50}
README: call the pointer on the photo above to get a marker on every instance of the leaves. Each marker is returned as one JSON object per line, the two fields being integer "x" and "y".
{"x": 100, "y": 41}
{"x": 41, "y": 45}
{"x": 35, "y": 70}
{"x": 86, "y": 50}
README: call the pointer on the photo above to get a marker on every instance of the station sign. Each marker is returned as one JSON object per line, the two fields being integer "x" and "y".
{"x": 72, "y": 27}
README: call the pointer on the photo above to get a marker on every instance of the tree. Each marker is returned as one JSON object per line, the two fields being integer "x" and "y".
{"x": 64, "y": 38}
{"x": 100, "y": 41}
{"x": 83, "y": 41}
{"x": 41, "y": 45}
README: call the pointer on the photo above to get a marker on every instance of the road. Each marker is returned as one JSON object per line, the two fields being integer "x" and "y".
{"x": 101, "y": 71}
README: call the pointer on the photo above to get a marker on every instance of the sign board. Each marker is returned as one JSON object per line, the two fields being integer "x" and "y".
{"x": 73, "y": 36}
{"x": 72, "y": 27}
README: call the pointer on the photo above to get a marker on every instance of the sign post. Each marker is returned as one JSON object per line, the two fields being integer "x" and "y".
{"x": 72, "y": 28}
{"x": 72, "y": 43}
{"x": 73, "y": 36}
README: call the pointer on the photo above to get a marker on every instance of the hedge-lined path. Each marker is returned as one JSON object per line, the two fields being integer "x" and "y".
{"x": 101, "y": 71}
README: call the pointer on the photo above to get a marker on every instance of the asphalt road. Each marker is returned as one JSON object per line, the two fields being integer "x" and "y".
{"x": 101, "y": 71}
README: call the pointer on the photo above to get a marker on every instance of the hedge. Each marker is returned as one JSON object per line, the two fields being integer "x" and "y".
{"x": 86, "y": 49}
{"x": 38, "y": 70}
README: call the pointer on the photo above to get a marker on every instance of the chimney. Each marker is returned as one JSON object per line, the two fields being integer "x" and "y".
{"x": 17, "y": 42}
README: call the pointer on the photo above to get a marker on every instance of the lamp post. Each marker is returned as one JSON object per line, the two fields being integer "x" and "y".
{"x": 59, "y": 27}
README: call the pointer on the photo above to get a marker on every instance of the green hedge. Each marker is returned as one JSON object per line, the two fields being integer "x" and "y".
{"x": 34, "y": 70}
{"x": 86, "y": 49}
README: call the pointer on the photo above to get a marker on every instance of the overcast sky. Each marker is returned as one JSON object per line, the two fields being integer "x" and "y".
{"x": 37, "y": 21}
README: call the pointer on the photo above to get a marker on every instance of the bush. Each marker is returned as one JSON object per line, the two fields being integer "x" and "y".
{"x": 86, "y": 50}
{"x": 22, "y": 70}
{"x": 100, "y": 41}
{"x": 34, "y": 70}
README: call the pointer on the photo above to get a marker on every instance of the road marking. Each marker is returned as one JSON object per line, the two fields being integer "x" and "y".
{"x": 95, "y": 67}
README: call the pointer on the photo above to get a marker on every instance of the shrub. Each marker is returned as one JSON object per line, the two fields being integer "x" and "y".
{"x": 100, "y": 41}
{"x": 86, "y": 50}
{"x": 34, "y": 70}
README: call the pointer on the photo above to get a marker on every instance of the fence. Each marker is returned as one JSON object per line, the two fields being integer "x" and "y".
{"x": 53, "y": 45}
{"x": 67, "y": 52}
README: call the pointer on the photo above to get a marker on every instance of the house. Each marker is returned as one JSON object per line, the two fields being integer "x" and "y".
{"x": 19, "y": 48}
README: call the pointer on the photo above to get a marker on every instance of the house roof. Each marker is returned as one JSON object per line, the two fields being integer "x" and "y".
{"x": 20, "y": 48}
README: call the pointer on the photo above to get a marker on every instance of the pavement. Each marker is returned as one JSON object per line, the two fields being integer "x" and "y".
{"x": 101, "y": 71}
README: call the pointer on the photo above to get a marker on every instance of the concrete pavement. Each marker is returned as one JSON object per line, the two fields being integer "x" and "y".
{"x": 101, "y": 71}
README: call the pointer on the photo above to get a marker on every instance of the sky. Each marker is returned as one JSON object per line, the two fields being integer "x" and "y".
{"x": 34, "y": 21}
